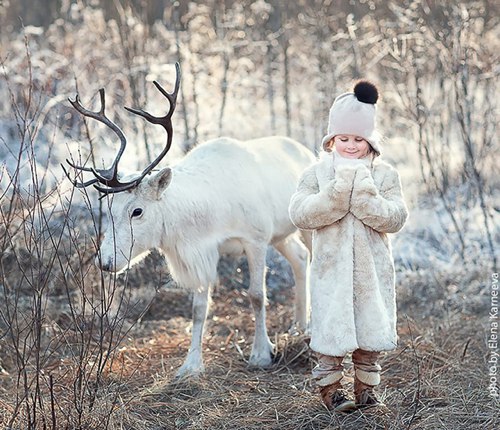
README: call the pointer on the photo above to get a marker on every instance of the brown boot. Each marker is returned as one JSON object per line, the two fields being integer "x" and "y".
{"x": 337, "y": 399}
{"x": 365, "y": 396}
{"x": 328, "y": 375}
{"x": 366, "y": 378}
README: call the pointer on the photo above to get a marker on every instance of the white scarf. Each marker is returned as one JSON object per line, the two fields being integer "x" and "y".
{"x": 339, "y": 161}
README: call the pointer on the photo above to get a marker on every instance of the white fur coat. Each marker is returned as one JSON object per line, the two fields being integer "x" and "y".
{"x": 351, "y": 208}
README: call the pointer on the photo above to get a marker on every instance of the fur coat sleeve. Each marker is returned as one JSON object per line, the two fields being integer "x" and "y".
{"x": 312, "y": 208}
{"x": 383, "y": 209}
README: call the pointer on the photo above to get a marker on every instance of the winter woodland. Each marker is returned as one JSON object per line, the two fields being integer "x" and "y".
{"x": 83, "y": 349}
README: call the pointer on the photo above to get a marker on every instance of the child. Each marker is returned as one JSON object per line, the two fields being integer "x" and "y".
{"x": 351, "y": 200}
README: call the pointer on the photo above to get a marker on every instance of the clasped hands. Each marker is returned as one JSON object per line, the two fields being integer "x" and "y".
{"x": 352, "y": 185}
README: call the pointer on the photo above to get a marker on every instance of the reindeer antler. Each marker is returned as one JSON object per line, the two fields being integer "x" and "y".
{"x": 109, "y": 177}
{"x": 165, "y": 121}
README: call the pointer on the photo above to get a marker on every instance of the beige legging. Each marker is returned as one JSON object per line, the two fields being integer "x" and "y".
{"x": 330, "y": 370}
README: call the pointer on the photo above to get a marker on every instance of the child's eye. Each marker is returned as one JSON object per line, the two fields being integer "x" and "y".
{"x": 359, "y": 139}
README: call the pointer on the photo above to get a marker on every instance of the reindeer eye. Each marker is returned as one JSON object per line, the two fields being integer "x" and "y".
{"x": 137, "y": 213}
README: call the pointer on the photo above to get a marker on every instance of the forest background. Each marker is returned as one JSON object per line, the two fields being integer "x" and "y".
{"x": 80, "y": 349}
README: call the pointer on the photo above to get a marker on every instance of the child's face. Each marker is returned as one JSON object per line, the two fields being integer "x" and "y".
{"x": 350, "y": 146}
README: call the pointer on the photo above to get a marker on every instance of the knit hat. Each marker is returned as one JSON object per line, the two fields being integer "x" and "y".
{"x": 354, "y": 113}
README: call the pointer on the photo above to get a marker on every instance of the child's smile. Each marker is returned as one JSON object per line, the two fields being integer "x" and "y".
{"x": 350, "y": 146}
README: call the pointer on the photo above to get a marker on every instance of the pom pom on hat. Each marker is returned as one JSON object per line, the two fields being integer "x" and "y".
{"x": 366, "y": 92}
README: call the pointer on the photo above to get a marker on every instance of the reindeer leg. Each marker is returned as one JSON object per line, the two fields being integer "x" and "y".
{"x": 298, "y": 256}
{"x": 262, "y": 348}
{"x": 193, "y": 365}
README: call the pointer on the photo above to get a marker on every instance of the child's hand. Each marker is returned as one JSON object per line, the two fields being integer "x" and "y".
{"x": 344, "y": 177}
{"x": 363, "y": 182}
{"x": 339, "y": 189}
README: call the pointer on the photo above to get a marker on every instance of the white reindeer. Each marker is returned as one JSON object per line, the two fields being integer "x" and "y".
{"x": 223, "y": 197}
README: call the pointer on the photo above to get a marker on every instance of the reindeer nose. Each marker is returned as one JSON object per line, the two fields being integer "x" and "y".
{"x": 104, "y": 265}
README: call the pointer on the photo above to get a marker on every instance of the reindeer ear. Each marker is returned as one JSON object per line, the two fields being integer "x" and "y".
{"x": 159, "y": 182}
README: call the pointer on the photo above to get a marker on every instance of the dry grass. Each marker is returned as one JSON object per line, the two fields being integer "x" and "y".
{"x": 64, "y": 365}
{"x": 436, "y": 379}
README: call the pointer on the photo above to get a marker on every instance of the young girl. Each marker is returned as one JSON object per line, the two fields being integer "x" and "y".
{"x": 351, "y": 200}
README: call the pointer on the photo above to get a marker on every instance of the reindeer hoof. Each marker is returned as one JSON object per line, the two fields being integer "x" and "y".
{"x": 187, "y": 371}
{"x": 263, "y": 359}
{"x": 260, "y": 364}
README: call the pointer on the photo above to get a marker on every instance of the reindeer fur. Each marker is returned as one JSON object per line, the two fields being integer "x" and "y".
{"x": 223, "y": 197}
